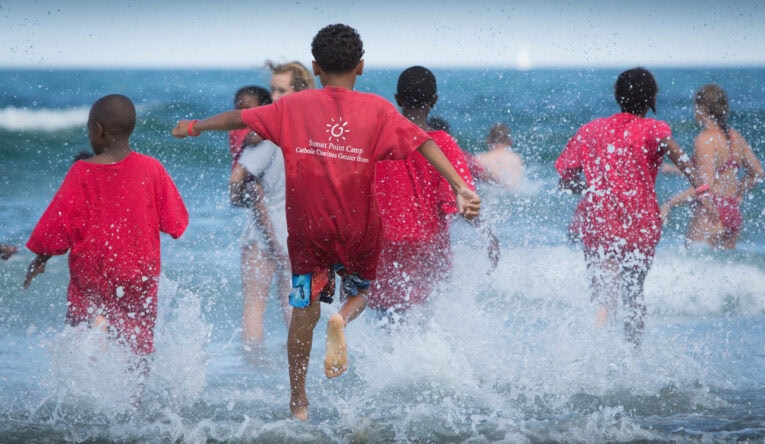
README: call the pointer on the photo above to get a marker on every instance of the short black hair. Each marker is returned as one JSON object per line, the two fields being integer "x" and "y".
{"x": 337, "y": 48}
{"x": 635, "y": 91}
{"x": 416, "y": 87}
{"x": 263, "y": 95}
{"x": 116, "y": 113}
{"x": 438, "y": 123}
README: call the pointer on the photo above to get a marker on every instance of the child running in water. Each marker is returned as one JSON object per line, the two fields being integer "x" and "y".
{"x": 416, "y": 204}
{"x": 618, "y": 215}
{"x": 257, "y": 182}
{"x": 108, "y": 214}
{"x": 331, "y": 139}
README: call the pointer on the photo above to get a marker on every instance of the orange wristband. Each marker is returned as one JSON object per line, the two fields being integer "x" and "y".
{"x": 703, "y": 189}
{"x": 190, "y": 128}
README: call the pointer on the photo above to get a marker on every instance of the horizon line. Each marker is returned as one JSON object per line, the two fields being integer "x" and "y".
{"x": 139, "y": 67}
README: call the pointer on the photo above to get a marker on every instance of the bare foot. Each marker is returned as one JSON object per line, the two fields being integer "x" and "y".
{"x": 336, "y": 360}
{"x": 299, "y": 411}
{"x": 601, "y": 317}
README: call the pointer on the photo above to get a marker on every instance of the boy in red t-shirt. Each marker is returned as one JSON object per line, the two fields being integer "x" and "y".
{"x": 331, "y": 139}
{"x": 618, "y": 217}
{"x": 108, "y": 214}
{"x": 416, "y": 204}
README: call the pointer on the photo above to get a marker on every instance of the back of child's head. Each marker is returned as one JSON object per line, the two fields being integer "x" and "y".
{"x": 116, "y": 113}
{"x": 262, "y": 94}
{"x": 301, "y": 76}
{"x": 499, "y": 133}
{"x": 713, "y": 100}
{"x": 337, "y": 48}
{"x": 416, "y": 87}
{"x": 635, "y": 91}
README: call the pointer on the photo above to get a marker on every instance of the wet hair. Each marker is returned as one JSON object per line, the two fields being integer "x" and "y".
{"x": 263, "y": 95}
{"x": 301, "y": 77}
{"x": 499, "y": 133}
{"x": 116, "y": 113}
{"x": 438, "y": 123}
{"x": 416, "y": 87}
{"x": 635, "y": 91}
{"x": 337, "y": 48}
{"x": 713, "y": 101}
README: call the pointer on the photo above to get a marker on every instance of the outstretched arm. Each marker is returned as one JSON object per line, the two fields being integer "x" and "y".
{"x": 680, "y": 159}
{"x": 684, "y": 197}
{"x": 37, "y": 266}
{"x": 229, "y": 120}
{"x": 700, "y": 176}
{"x": 468, "y": 202}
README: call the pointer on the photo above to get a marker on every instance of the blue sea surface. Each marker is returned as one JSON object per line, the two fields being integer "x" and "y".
{"x": 511, "y": 356}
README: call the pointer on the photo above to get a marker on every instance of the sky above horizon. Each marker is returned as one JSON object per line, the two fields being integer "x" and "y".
{"x": 513, "y": 34}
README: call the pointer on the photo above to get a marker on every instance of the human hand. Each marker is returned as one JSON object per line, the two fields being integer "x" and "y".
{"x": 184, "y": 128}
{"x": 6, "y": 251}
{"x": 468, "y": 203}
{"x": 37, "y": 266}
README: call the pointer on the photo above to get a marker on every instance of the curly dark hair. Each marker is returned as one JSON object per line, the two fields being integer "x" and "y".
{"x": 337, "y": 48}
{"x": 264, "y": 97}
{"x": 635, "y": 91}
{"x": 416, "y": 87}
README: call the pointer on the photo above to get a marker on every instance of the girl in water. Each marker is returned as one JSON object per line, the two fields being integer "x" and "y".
{"x": 264, "y": 251}
{"x": 721, "y": 153}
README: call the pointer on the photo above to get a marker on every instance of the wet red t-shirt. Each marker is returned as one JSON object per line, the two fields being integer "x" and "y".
{"x": 415, "y": 201}
{"x": 331, "y": 139}
{"x": 109, "y": 218}
{"x": 620, "y": 157}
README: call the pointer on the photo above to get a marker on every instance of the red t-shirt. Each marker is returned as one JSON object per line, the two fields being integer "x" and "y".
{"x": 415, "y": 201}
{"x": 414, "y": 198}
{"x": 331, "y": 139}
{"x": 109, "y": 217}
{"x": 620, "y": 157}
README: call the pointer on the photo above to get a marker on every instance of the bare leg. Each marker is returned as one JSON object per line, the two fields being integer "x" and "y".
{"x": 284, "y": 287}
{"x": 634, "y": 305}
{"x": 257, "y": 273}
{"x": 299, "y": 343}
{"x": 604, "y": 281}
{"x": 336, "y": 359}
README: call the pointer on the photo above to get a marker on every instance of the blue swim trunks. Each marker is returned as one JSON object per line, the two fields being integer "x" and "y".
{"x": 310, "y": 286}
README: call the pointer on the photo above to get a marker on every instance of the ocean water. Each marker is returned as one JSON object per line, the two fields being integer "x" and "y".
{"x": 510, "y": 356}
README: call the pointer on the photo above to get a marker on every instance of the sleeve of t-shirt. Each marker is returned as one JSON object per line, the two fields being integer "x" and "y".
{"x": 264, "y": 120}
{"x": 569, "y": 162}
{"x": 398, "y": 137}
{"x": 51, "y": 235}
{"x": 173, "y": 215}
{"x": 663, "y": 131}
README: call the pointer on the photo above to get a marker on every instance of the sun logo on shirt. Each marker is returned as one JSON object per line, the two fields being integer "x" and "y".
{"x": 337, "y": 129}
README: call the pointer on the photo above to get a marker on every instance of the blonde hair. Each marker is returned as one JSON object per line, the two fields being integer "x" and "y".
{"x": 301, "y": 77}
{"x": 712, "y": 99}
